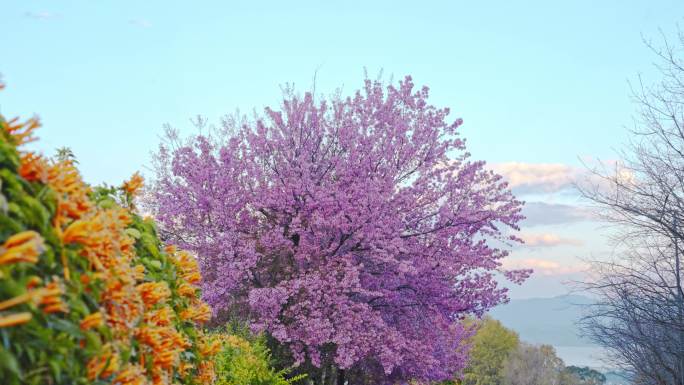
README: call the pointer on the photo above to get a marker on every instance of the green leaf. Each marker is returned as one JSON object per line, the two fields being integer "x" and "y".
{"x": 8, "y": 362}
{"x": 55, "y": 369}
{"x": 133, "y": 233}
{"x": 67, "y": 327}
{"x": 107, "y": 204}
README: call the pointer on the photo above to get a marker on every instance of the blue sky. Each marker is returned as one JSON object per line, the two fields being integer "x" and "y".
{"x": 540, "y": 83}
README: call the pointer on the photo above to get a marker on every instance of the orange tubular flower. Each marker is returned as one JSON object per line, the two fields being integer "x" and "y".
{"x": 88, "y": 278}
{"x": 139, "y": 271}
{"x": 83, "y": 232}
{"x": 122, "y": 303}
{"x": 199, "y": 312}
{"x": 15, "y": 319}
{"x": 105, "y": 365}
{"x": 73, "y": 201}
{"x": 48, "y": 296}
{"x": 186, "y": 290}
{"x": 127, "y": 247}
{"x": 22, "y": 133}
{"x": 92, "y": 321}
{"x": 131, "y": 374}
{"x": 193, "y": 277}
{"x": 206, "y": 373}
{"x": 106, "y": 245}
{"x": 51, "y": 299}
{"x": 161, "y": 317}
{"x": 184, "y": 367}
{"x": 209, "y": 347}
{"x": 23, "y": 298}
{"x": 148, "y": 335}
{"x": 33, "y": 282}
{"x": 34, "y": 168}
{"x": 122, "y": 216}
{"x": 161, "y": 378}
{"x": 166, "y": 357}
{"x": 164, "y": 343}
{"x": 154, "y": 292}
{"x": 188, "y": 267}
{"x": 22, "y": 247}
{"x": 132, "y": 186}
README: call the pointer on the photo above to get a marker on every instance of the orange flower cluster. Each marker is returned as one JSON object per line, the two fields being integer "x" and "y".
{"x": 187, "y": 290}
{"x": 158, "y": 337}
{"x": 133, "y": 186}
{"x": 198, "y": 311}
{"x": 153, "y": 293}
{"x": 133, "y": 309}
{"x": 110, "y": 252}
{"x": 188, "y": 267}
{"x": 106, "y": 244}
{"x": 34, "y": 167}
{"x": 134, "y": 304}
{"x": 131, "y": 374}
{"x": 163, "y": 316}
{"x": 105, "y": 365}
{"x": 91, "y": 321}
{"x": 63, "y": 177}
{"x": 206, "y": 372}
{"x": 209, "y": 345}
{"x": 22, "y": 133}
{"x": 51, "y": 298}
{"x": 23, "y": 247}
{"x": 139, "y": 310}
{"x": 26, "y": 247}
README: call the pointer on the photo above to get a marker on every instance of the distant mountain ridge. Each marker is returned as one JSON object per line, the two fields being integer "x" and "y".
{"x": 551, "y": 321}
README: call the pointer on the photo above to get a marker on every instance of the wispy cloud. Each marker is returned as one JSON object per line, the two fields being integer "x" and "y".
{"x": 542, "y": 213}
{"x": 42, "y": 15}
{"x": 538, "y": 177}
{"x": 548, "y": 240}
{"x": 545, "y": 267}
{"x": 548, "y": 178}
{"x": 142, "y": 23}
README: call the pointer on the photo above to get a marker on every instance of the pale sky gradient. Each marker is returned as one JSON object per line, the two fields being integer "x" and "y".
{"x": 539, "y": 84}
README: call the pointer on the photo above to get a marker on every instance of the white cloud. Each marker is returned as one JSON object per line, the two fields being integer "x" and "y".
{"x": 544, "y": 266}
{"x": 538, "y": 177}
{"x": 547, "y": 178}
{"x": 542, "y": 213}
{"x": 548, "y": 240}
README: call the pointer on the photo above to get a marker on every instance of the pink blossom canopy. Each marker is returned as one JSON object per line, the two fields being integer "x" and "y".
{"x": 358, "y": 224}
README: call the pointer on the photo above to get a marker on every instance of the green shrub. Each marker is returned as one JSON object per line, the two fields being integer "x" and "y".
{"x": 246, "y": 360}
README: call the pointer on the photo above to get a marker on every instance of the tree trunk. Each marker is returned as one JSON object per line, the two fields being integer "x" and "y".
{"x": 340, "y": 377}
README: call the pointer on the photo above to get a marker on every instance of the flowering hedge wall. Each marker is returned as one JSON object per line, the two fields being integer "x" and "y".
{"x": 88, "y": 294}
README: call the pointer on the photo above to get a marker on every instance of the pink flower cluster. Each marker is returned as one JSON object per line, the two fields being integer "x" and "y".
{"x": 358, "y": 223}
